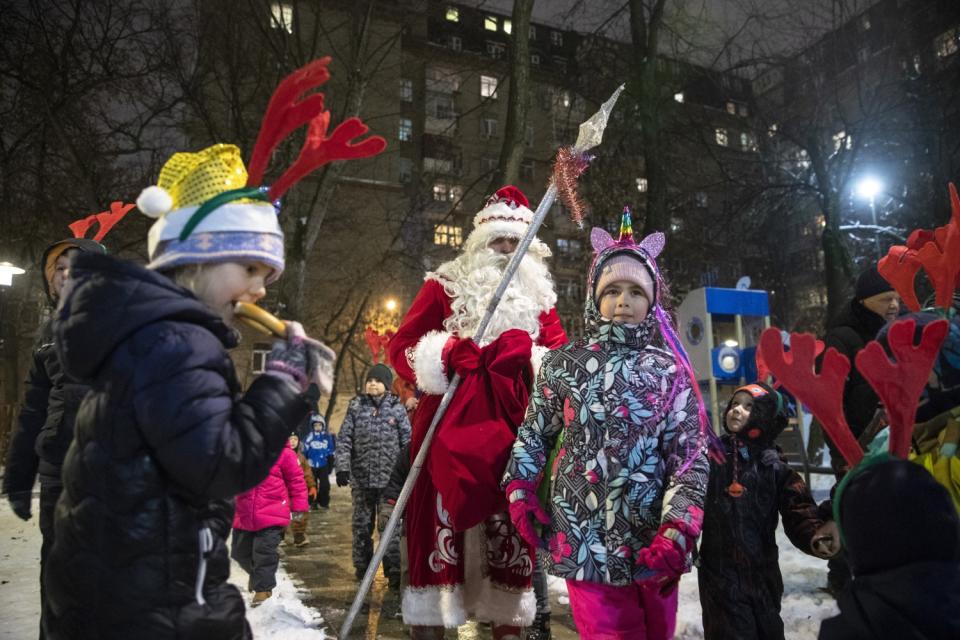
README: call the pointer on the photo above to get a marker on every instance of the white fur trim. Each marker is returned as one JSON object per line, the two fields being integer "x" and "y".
{"x": 482, "y": 235}
{"x": 154, "y": 201}
{"x": 428, "y": 362}
{"x": 537, "y": 354}
{"x": 501, "y": 211}
{"x": 478, "y": 599}
{"x": 433, "y": 606}
{"x": 254, "y": 217}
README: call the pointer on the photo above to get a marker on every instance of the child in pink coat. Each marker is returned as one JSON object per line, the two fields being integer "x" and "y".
{"x": 261, "y": 515}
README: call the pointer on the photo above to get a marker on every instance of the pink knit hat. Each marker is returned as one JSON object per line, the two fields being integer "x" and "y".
{"x": 627, "y": 267}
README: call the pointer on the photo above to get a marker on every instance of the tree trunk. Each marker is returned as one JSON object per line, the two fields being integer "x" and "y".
{"x": 645, "y": 35}
{"x": 511, "y": 153}
{"x": 838, "y": 268}
{"x": 342, "y": 357}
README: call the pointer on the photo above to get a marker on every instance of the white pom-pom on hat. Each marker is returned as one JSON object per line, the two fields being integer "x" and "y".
{"x": 154, "y": 201}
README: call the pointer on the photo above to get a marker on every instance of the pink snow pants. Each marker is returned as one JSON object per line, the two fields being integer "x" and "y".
{"x": 632, "y": 612}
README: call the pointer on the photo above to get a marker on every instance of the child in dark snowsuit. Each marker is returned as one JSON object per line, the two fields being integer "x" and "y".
{"x": 739, "y": 576}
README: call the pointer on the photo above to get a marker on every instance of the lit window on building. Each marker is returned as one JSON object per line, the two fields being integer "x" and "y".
{"x": 281, "y": 16}
{"x": 488, "y": 127}
{"x": 747, "y": 141}
{"x": 441, "y": 192}
{"x": 722, "y": 137}
{"x": 453, "y": 14}
{"x": 533, "y": 32}
{"x": 732, "y": 108}
{"x": 488, "y": 87}
{"x": 700, "y": 198}
{"x": 455, "y": 43}
{"x": 535, "y": 59}
{"x": 772, "y": 129}
{"x": 495, "y": 49}
{"x": 568, "y": 247}
{"x": 556, "y": 37}
{"x": 642, "y": 185}
{"x": 842, "y": 141}
{"x": 490, "y": 23}
{"x": 865, "y": 22}
{"x": 526, "y": 170}
{"x": 405, "y": 170}
{"x": 405, "y": 132}
{"x": 678, "y": 96}
{"x": 406, "y": 90}
{"x": 447, "y": 235}
{"x": 945, "y": 44}
{"x": 507, "y": 26}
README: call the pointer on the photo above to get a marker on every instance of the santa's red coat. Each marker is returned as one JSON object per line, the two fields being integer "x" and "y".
{"x": 473, "y": 440}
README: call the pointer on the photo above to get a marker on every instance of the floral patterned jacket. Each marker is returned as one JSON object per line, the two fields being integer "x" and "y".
{"x": 629, "y": 460}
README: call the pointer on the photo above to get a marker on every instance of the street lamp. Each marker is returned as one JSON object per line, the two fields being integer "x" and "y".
{"x": 868, "y": 188}
{"x": 391, "y": 304}
{"x": 7, "y": 271}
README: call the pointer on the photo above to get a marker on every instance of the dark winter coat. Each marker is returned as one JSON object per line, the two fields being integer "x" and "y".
{"x": 164, "y": 440}
{"x": 849, "y": 333}
{"x": 739, "y": 574}
{"x": 45, "y": 424}
{"x": 370, "y": 439}
{"x": 919, "y": 601}
{"x": 398, "y": 476}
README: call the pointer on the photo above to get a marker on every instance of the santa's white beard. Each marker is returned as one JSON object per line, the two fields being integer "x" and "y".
{"x": 471, "y": 280}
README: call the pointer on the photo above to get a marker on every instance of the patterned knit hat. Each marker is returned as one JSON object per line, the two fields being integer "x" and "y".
{"x": 211, "y": 209}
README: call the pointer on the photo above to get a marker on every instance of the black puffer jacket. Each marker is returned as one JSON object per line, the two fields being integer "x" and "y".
{"x": 50, "y": 402}
{"x": 163, "y": 441}
{"x": 849, "y": 333}
{"x": 370, "y": 439}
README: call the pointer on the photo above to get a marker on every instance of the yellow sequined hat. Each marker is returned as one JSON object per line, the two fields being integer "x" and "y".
{"x": 239, "y": 229}
{"x": 211, "y": 209}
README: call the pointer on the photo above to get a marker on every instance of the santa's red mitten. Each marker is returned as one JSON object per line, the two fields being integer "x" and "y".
{"x": 522, "y": 495}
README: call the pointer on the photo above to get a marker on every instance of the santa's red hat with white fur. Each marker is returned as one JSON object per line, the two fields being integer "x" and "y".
{"x": 505, "y": 214}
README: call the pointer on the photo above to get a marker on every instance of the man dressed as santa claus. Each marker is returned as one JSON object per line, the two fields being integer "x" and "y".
{"x": 466, "y": 560}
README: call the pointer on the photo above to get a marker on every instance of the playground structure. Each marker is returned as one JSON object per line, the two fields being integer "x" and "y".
{"x": 720, "y": 329}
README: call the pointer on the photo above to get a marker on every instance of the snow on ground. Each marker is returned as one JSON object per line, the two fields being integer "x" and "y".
{"x": 804, "y": 606}
{"x": 282, "y": 617}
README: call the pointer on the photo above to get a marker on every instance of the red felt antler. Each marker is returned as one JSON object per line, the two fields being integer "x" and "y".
{"x": 763, "y": 371}
{"x": 318, "y": 149}
{"x": 106, "y": 220}
{"x": 900, "y": 384}
{"x": 287, "y": 111}
{"x": 937, "y": 252}
{"x": 822, "y": 393}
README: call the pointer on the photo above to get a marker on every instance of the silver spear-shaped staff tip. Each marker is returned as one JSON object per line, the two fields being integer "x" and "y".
{"x": 571, "y": 162}
{"x": 591, "y": 131}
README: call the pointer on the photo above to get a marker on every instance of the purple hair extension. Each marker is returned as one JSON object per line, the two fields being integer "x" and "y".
{"x": 706, "y": 432}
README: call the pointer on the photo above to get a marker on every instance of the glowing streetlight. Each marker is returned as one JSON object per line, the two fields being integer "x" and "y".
{"x": 391, "y": 304}
{"x": 7, "y": 271}
{"x": 868, "y": 188}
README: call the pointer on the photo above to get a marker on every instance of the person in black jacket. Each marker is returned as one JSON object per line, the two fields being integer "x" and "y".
{"x": 166, "y": 437}
{"x": 374, "y": 431}
{"x": 739, "y": 574}
{"x": 901, "y": 534}
{"x": 875, "y": 303}
{"x": 45, "y": 424}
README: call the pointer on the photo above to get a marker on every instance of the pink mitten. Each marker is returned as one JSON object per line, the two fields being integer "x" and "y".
{"x": 522, "y": 507}
{"x": 665, "y": 554}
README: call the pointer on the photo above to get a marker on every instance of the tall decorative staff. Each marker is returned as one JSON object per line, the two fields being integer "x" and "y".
{"x": 569, "y": 164}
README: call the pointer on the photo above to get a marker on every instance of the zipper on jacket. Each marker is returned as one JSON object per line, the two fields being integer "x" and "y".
{"x": 206, "y": 546}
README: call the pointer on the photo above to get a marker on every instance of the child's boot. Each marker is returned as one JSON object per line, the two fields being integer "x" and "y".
{"x": 540, "y": 630}
{"x": 259, "y": 597}
{"x": 300, "y": 539}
